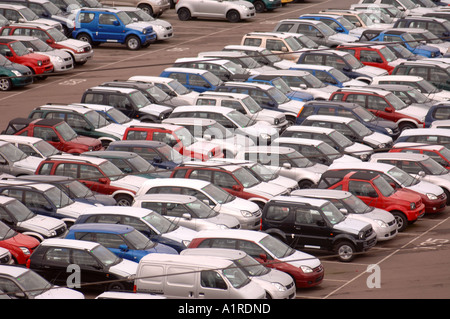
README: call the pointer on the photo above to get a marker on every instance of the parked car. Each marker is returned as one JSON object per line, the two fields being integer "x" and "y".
{"x": 158, "y": 154}
{"x": 15, "y": 162}
{"x": 439, "y": 27}
{"x": 194, "y": 79}
{"x": 423, "y": 35}
{"x": 338, "y": 23}
{"x": 437, "y": 112}
{"x": 332, "y": 137}
{"x": 13, "y": 75}
{"x": 18, "y": 13}
{"x": 231, "y": 11}
{"x": 420, "y": 166}
{"x": 277, "y": 284}
{"x": 436, "y": 72}
{"x": 264, "y": 5}
{"x": 112, "y": 114}
{"x": 154, "y": 226}
{"x": 432, "y": 196}
{"x": 32, "y": 146}
{"x": 400, "y": 51}
{"x": 186, "y": 211}
{"x": 308, "y": 222}
{"x": 102, "y": 25}
{"x": 151, "y": 7}
{"x": 98, "y": 174}
{"x": 19, "y": 245}
{"x": 408, "y": 94}
{"x": 426, "y": 136}
{"x": 375, "y": 191}
{"x": 5, "y": 257}
{"x": 22, "y": 220}
{"x": 287, "y": 162}
{"x": 22, "y": 283}
{"x": 247, "y": 212}
{"x": 54, "y": 131}
{"x": 352, "y": 129}
{"x": 306, "y": 269}
{"x": 439, "y": 153}
{"x": 408, "y": 7}
{"x": 124, "y": 241}
{"x": 351, "y": 110}
{"x": 383, "y": 222}
{"x": 101, "y": 268}
{"x": 384, "y": 104}
{"x": 80, "y": 51}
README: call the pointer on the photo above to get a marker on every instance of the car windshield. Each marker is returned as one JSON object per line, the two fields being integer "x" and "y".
{"x": 383, "y": 186}
{"x": 307, "y": 42}
{"x": 138, "y": 240}
{"x": 359, "y": 128}
{"x": 338, "y": 75}
{"x": 160, "y": 223}
{"x": 263, "y": 172}
{"x": 430, "y": 37}
{"x": 216, "y": 130}
{"x": 325, "y": 30}
{"x": 340, "y": 139}
{"x": 170, "y": 154}
{"x": 312, "y": 81}
{"x": 57, "y": 35}
{"x": 140, "y": 164}
{"x": 332, "y": 213}
{"x": 427, "y": 87}
{"x": 407, "y": 3}
{"x": 395, "y": 101}
{"x": 251, "y": 267}
{"x": 417, "y": 96}
{"x": 185, "y": 137}
{"x": 353, "y": 204}
{"x": 296, "y": 159}
{"x": 139, "y": 99}
{"x": 352, "y": 61}
{"x": 408, "y": 38}
{"x": 213, "y": 79}
{"x": 28, "y": 14}
{"x": 118, "y": 116}
{"x": 281, "y": 85}
{"x": 58, "y": 197}
{"x": 278, "y": 95}
{"x": 432, "y": 167}
{"x": 140, "y": 15}
{"x": 328, "y": 151}
{"x": 77, "y": 190}
{"x": 6, "y": 232}
{"x": 270, "y": 56}
{"x": 66, "y": 132}
{"x": 38, "y": 45}
{"x": 364, "y": 114}
{"x": 178, "y": 87}
{"x": 276, "y": 247}
{"x": 158, "y": 94}
{"x": 33, "y": 283}
{"x": 96, "y": 119}
{"x": 12, "y": 153}
{"x": 240, "y": 119}
{"x": 246, "y": 178}
{"x": 19, "y": 211}
{"x": 124, "y": 17}
{"x": 105, "y": 256}
{"x": 236, "y": 276}
{"x": 347, "y": 24}
{"x": 201, "y": 210}
{"x": 4, "y": 61}
{"x": 19, "y": 48}
{"x": 218, "y": 194}
{"x": 388, "y": 55}
{"x": 51, "y": 8}
{"x": 401, "y": 51}
{"x": 293, "y": 44}
{"x": 235, "y": 68}
{"x": 402, "y": 177}
{"x": 112, "y": 171}
{"x": 251, "y": 104}
{"x": 45, "y": 148}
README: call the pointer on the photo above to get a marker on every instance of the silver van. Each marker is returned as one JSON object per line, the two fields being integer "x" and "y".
{"x": 194, "y": 277}
{"x": 277, "y": 284}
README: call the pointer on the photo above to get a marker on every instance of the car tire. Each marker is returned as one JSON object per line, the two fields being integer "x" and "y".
{"x": 184, "y": 14}
{"x": 406, "y": 126}
{"x": 133, "y": 43}
{"x": 305, "y": 184}
{"x": 345, "y": 251}
{"x": 123, "y": 200}
{"x": 260, "y": 7}
{"x": 401, "y": 220}
{"x": 5, "y": 84}
{"x": 233, "y": 16}
{"x": 84, "y": 37}
{"x": 147, "y": 9}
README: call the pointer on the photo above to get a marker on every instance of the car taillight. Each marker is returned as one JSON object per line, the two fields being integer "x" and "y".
{"x": 28, "y": 263}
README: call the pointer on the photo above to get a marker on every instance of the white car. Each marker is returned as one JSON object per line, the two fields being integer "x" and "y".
{"x": 112, "y": 114}
{"x": 32, "y": 146}
{"x": 382, "y": 221}
{"x": 5, "y": 257}
{"x": 186, "y": 211}
{"x": 15, "y": 162}
{"x": 233, "y": 11}
{"x": 408, "y": 7}
{"x": 247, "y": 212}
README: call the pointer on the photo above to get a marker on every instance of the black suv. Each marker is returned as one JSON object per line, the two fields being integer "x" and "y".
{"x": 434, "y": 71}
{"x": 310, "y": 223}
{"x": 129, "y": 101}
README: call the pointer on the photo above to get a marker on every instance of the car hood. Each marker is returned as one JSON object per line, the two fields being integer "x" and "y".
{"x": 356, "y": 32}
{"x": 74, "y": 209}
{"x": 351, "y": 225}
{"x": 443, "y": 95}
{"x": 139, "y": 26}
{"x": 380, "y": 214}
{"x": 377, "y": 138}
{"x": 268, "y": 116}
{"x": 73, "y": 44}
{"x": 424, "y": 187}
{"x": 125, "y": 268}
{"x": 47, "y": 22}
{"x": 299, "y": 258}
{"x": 55, "y": 53}
{"x": 41, "y": 223}
{"x": 273, "y": 276}
{"x": 260, "y": 127}
{"x": 285, "y": 64}
{"x": 354, "y": 82}
{"x": 224, "y": 219}
{"x": 443, "y": 47}
{"x": 346, "y": 158}
{"x": 117, "y": 130}
{"x": 155, "y": 109}
{"x": 160, "y": 22}
{"x": 85, "y": 140}
{"x": 292, "y": 106}
{"x": 266, "y": 190}
{"x": 30, "y": 163}
{"x": 129, "y": 182}
{"x": 426, "y": 48}
{"x": 289, "y": 183}
{"x": 60, "y": 293}
{"x": 237, "y": 204}
{"x": 418, "y": 111}
{"x": 180, "y": 233}
{"x": 358, "y": 149}
{"x": 343, "y": 38}
{"x": 371, "y": 71}
{"x": 203, "y": 147}
{"x": 396, "y": 62}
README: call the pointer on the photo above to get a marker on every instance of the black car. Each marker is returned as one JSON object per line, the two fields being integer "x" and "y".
{"x": 310, "y": 223}
{"x": 437, "y": 26}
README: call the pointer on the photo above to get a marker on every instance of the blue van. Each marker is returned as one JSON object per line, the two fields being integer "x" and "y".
{"x": 437, "y": 112}
{"x": 107, "y": 25}
{"x": 193, "y": 79}
{"x": 124, "y": 241}
{"x": 329, "y": 75}
{"x": 281, "y": 85}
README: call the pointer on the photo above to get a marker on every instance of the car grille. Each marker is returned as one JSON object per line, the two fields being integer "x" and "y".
{"x": 5, "y": 259}
{"x": 391, "y": 223}
{"x": 61, "y": 230}
{"x": 87, "y": 48}
{"x": 257, "y": 213}
{"x": 290, "y": 285}
{"x": 368, "y": 232}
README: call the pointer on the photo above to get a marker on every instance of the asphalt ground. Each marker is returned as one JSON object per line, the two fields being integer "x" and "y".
{"x": 414, "y": 265}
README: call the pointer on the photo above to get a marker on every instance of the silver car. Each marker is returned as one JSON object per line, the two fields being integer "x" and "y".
{"x": 277, "y": 284}
{"x": 15, "y": 162}
{"x": 231, "y": 10}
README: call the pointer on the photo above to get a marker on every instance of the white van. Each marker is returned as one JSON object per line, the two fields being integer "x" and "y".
{"x": 194, "y": 277}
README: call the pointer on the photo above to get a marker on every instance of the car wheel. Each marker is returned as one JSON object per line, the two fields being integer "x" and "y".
{"x": 233, "y": 16}
{"x": 305, "y": 184}
{"x": 401, "y": 219}
{"x": 146, "y": 8}
{"x": 345, "y": 251}
{"x": 259, "y": 6}
{"x": 406, "y": 126}
{"x": 5, "y": 84}
{"x": 184, "y": 14}
{"x": 84, "y": 37}
{"x": 133, "y": 43}
{"x": 123, "y": 200}
{"x": 116, "y": 286}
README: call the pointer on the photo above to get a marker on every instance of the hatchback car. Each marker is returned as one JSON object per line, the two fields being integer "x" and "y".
{"x": 233, "y": 11}
{"x": 32, "y": 146}
{"x": 194, "y": 79}
{"x": 426, "y": 136}
{"x": 439, "y": 153}
{"x": 19, "y": 245}
{"x": 338, "y": 23}
{"x": 437, "y": 112}
{"x": 13, "y": 75}
{"x": 16, "y": 162}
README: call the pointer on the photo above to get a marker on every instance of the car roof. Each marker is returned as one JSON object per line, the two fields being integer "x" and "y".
{"x": 183, "y": 121}
{"x": 400, "y": 155}
{"x": 222, "y": 94}
{"x": 272, "y": 149}
{"x": 207, "y": 262}
{"x": 182, "y": 182}
{"x": 298, "y": 140}
{"x": 13, "y": 270}
{"x": 238, "y": 47}
{"x": 27, "y": 184}
{"x": 327, "y": 103}
{"x": 172, "y": 198}
{"x": 282, "y": 72}
{"x": 249, "y": 84}
{"x": 330, "y": 118}
{"x": 20, "y": 139}
{"x": 364, "y": 90}
{"x": 79, "y": 158}
{"x": 186, "y": 70}
{"x": 143, "y": 143}
{"x": 426, "y": 131}
{"x": 200, "y": 59}
{"x": 149, "y": 78}
{"x": 418, "y": 145}
{"x": 232, "y": 233}
{"x": 215, "y": 109}
{"x": 117, "y": 210}
{"x": 69, "y": 243}
{"x": 102, "y": 227}
{"x": 306, "y": 128}
{"x": 65, "y": 107}
{"x": 232, "y": 254}
{"x": 164, "y": 126}
{"x": 322, "y": 193}
{"x": 299, "y": 200}
{"x": 314, "y": 67}
{"x": 107, "y": 88}
{"x": 405, "y": 78}
{"x": 111, "y": 154}
{"x": 300, "y": 21}
{"x": 381, "y": 167}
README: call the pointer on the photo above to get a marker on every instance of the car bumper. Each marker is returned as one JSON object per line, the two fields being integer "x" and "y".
{"x": 158, "y": 10}
{"x": 435, "y": 206}
{"x": 21, "y": 81}
{"x": 163, "y": 34}
{"x": 63, "y": 66}
{"x": 44, "y": 69}
{"x": 387, "y": 233}
{"x": 83, "y": 57}
{"x": 311, "y": 279}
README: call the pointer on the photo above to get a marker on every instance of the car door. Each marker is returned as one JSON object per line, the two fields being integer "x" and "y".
{"x": 365, "y": 191}
{"x": 53, "y": 265}
{"x": 113, "y": 242}
{"x": 90, "y": 268}
{"x": 110, "y": 28}
{"x": 311, "y": 229}
{"x": 209, "y": 8}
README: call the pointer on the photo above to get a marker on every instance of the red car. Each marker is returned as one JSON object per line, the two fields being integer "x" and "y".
{"x": 56, "y": 132}
{"x": 175, "y": 136}
{"x": 16, "y": 52}
{"x": 439, "y": 153}
{"x": 21, "y": 246}
{"x": 375, "y": 191}
{"x": 379, "y": 56}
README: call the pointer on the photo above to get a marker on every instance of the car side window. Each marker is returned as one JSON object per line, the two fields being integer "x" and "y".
{"x": 57, "y": 255}
{"x": 441, "y": 113}
{"x": 89, "y": 172}
{"x": 419, "y": 71}
{"x": 336, "y": 62}
{"x": 106, "y": 18}
{"x": 107, "y": 240}
{"x": 223, "y": 179}
{"x": 94, "y": 98}
{"x": 175, "y": 210}
{"x": 361, "y": 188}
{"x": 83, "y": 258}
{"x": 275, "y": 45}
{"x": 28, "y": 150}
{"x": 256, "y": 42}
{"x": 197, "y": 80}
{"x": 180, "y": 77}
{"x": 12, "y": 15}
{"x": 377, "y": 103}
{"x": 46, "y": 169}
{"x": 205, "y": 102}
{"x": 34, "y": 200}
{"x": 10, "y": 288}
{"x": 223, "y": 243}
{"x": 436, "y": 75}
{"x": 76, "y": 121}
{"x": 251, "y": 248}
{"x": 37, "y": 8}
{"x": 212, "y": 279}
{"x": 233, "y": 104}
{"x": 307, "y": 216}
{"x": 314, "y": 59}
{"x": 86, "y": 17}
{"x": 45, "y": 133}
{"x": 203, "y": 174}
{"x": 136, "y": 135}
{"x": 20, "y": 31}
{"x": 370, "y": 56}
{"x": 285, "y": 27}
{"x": 435, "y": 28}
{"x": 277, "y": 213}
{"x": 356, "y": 98}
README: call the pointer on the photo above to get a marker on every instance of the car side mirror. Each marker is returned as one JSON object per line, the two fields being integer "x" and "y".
{"x": 421, "y": 174}
{"x": 157, "y": 160}
{"x": 103, "y": 180}
{"x": 321, "y": 223}
{"x": 389, "y": 109}
{"x": 343, "y": 211}
{"x": 116, "y": 23}
{"x": 187, "y": 216}
{"x": 207, "y": 85}
{"x": 55, "y": 139}
{"x": 319, "y": 35}
{"x": 49, "y": 41}
{"x": 123, "y": 248}
{"x": 339, "y": 29}
{"x": 8, "y": 53}
{"x": 207, "y": 137}
{"x": 263, "y": 257}
{"x": 372, "y": 194}
{"x": 287, "y": 165}
{"x": 237, "y": 188}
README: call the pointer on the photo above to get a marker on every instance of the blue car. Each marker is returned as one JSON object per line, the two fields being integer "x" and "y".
{"x": 329, "y": 75}
{"x": 194, "y": 79}
{"x": 124, "y": 241}
{"x": 107, "y": 25}
{"x": 336, "y": 22}
{"x": 280, "y": 84}
{"x": 439, "y": 111}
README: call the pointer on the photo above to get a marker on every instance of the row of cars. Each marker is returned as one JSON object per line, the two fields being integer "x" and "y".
{"x": 264, "y": 191}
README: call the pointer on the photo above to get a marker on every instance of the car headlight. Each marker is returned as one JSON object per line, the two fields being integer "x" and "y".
{"x": 364, "y": 156}
{"x": 186, "y": 242}
{"x": 25, "y": 250}
{"x": 381, "y": 223}
{"x": 265, "y": 136}
{"x": 276, "y": 121}
{"x": 90, "y": 148}
{"x": 306, "y": 269}
{"x": 389, "y": 131}
{"x": 144, "y": 31}
{"x": 39, "y": 63}
{"x": 221, "y": 226}
{"x": 246, "y": 213}
{"x": 382, "y": 145}
{"x": 361, "y": 235}
{"x": 279, "y": 286}
{"x": 17, "y": 73}
{"x": 412, "y": 205}
{"x": 431, "y": 196}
